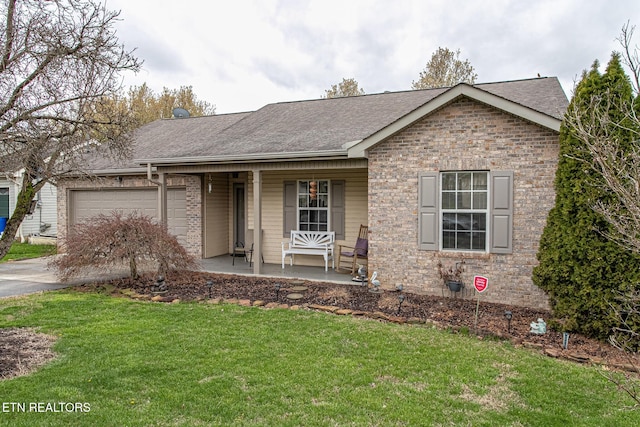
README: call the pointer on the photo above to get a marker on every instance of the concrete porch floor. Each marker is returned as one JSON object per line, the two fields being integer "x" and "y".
{"x": 223, "y": 264}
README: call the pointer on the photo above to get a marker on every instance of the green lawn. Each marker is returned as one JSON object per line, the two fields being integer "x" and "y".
{"x": 193, "y": 364}
{"x": 25, "y": 251}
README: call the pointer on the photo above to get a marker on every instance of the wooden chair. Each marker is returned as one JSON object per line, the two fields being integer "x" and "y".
{"x": 350, "y": 256}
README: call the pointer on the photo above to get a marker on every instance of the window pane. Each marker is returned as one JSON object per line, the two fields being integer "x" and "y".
{"x": 480, "y": 221}
{"x": 304, "y": 227}
{"x": 323, "y": 201}
{"x": 323, "y": 216}
{"x": 463, "y": 221}
{"x": 303, "y": 187}
{"x": 448, "y": 200}
{"x": 464, "y": 200}
{"x": 313, "y": 216}
{"x": 464, "y": 181}
{"x": 302, "y": 201}
{"x": 323, "y": 187}
{"x": 480, "y": 181}
{"x": 480, "y": 200}
{"x": 449, "y": 221}
{"x": 463, "y": 240}
{"x": 449, "y": 181}
{"x": 323, "y": 227}
{"x": 448, "y": 240}
{"x": 304, "y": 216}
{"x": 479, "y": 240}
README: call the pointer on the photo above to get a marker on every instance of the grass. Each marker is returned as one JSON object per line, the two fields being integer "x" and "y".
{"x": 25, "y": 251}
{"x": 189, "y": 364}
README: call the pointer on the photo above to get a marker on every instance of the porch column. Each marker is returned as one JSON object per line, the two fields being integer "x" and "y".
{"x": 257, "y": 221}
{"x": 162, "y": 198}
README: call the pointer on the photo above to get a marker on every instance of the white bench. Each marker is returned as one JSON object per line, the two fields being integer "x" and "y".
{"x": 310, "y": 243}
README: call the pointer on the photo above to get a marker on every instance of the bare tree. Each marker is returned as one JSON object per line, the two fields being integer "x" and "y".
{"x": 444, "y": 69}
{"x": 60, "y": 64}
{"x": 348, "y": 87}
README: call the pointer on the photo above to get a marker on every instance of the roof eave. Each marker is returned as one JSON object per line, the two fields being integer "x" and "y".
{"x": 247, "y": 158}
{"x": 462, "y": 89}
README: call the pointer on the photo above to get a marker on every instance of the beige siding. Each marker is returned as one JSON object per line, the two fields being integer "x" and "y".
{"x": 356, "y": 196}
{"x": 217, "y": 214}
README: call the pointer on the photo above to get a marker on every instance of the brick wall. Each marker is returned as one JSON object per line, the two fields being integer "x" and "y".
{"x": 464, "y": 135}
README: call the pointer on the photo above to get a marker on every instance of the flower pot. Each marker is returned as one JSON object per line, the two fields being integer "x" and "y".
{"x": 454, "y": 285}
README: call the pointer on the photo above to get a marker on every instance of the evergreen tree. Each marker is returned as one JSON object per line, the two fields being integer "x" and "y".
{"x": 580, "y": 269}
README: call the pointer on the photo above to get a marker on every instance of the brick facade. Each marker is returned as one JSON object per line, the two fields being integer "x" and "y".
{"x": 464, "y": 135}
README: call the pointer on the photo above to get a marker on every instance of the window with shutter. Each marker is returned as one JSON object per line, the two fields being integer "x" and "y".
{"x": 314, "y": 205}
{"x": 466, "y": 211}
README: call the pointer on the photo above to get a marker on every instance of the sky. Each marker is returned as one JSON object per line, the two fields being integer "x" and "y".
{"x": 243, "y": 54}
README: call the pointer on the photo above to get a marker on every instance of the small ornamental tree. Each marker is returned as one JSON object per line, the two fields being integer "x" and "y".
{"x": 581, "y": 269}
{"x": 113, "y": 240}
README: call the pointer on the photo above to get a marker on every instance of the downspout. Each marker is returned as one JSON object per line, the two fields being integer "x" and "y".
{"x": 257, "y": 221}
{"x": 162, "y": 193}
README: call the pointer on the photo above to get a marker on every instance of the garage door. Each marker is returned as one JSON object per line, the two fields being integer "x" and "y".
{"x": 85, "y": 204}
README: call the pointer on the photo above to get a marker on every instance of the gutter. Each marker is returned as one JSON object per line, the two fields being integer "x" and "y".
{"x": 247, "y": 158}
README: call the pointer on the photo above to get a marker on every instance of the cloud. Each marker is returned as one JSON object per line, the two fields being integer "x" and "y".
{"x": 240, "y": 55}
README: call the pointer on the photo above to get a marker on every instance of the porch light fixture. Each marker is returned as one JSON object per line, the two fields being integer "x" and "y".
{"x": 210, "y": 184}
{"x": 508, "y": 315}
{"x": 209, "y": 285}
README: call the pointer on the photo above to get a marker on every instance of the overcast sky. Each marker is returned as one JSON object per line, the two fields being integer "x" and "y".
{"x": 241, "y": 55}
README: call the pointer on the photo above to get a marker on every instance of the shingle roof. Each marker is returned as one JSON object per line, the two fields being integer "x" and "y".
{"x": 322, "y": 125}
{"x": 163, "y": 138}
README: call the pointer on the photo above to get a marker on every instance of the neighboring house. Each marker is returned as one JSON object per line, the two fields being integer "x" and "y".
{"x": 436, "y": 174}
{"x": 42, "y": 221}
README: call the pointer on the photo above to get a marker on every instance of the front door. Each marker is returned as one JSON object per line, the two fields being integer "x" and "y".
{"x": 239, "y": 224}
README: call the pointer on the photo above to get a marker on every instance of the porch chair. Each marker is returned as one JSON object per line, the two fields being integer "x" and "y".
{"x": 240, "y": 250}
{"x": 350, "y": 256}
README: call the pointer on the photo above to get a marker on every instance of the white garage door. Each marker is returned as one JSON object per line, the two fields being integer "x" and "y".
{"x": 85, "y": 204}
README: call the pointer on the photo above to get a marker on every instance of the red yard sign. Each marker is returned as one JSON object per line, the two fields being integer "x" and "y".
{"x": 480, "y": 283}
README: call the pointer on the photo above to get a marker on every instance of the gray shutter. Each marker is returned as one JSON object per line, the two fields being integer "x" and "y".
{"x": 501, "y": 212}
{"x": 290, "y": 208}
{"x": 428, "y": 211}
{"x": 337, "y": 208}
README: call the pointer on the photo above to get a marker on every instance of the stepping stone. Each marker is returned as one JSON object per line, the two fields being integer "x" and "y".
{"x": 299, "y": 289}
{"x": 295, "y": 296}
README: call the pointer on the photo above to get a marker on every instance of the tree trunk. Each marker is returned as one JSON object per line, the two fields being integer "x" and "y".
{"x": 25, "y": 196}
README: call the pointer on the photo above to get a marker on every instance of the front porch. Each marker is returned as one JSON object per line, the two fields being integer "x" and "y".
{"x": 223, "y": 264}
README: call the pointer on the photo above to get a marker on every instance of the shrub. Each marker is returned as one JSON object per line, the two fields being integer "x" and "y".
{"x": 580, "y": 269}
{"x": 108, "y": 241}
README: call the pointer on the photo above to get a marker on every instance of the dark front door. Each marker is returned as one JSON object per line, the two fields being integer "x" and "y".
{"x": 238, "y": 214}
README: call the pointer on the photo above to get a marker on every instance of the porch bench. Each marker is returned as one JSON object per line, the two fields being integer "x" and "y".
{"x": 310, "y": 243}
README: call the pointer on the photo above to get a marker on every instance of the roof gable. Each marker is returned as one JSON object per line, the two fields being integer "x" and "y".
{"x": 486, "y": 94}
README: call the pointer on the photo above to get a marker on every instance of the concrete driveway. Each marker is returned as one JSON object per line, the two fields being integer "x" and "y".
{"x": 27, "y": 276}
